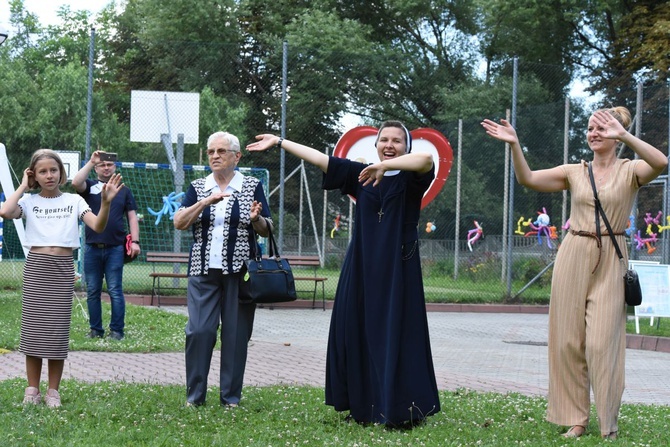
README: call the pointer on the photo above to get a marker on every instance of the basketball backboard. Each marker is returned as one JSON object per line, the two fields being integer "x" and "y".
{"x": 153, "y": 113}
{"x": 71, "y": 161}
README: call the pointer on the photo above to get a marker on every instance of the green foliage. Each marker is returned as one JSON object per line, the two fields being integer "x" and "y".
{"x": 444, "y": 267}
{"x": 290, "y": 223}
{"x": 646, "y": 33}
{"x": 481, "y": 266}
{"x": 535, "y": 31}
{"x": 528, "y": 268}
{"x": 333, "y": 263}
{"x": 418, "y": 60}
{"x": 480, "y": 199}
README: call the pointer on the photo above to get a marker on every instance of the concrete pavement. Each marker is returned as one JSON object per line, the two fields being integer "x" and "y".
{"x": 491, "y": 352}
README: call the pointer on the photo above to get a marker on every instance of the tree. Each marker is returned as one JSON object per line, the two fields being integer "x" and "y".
{"x": 644, "y": 40}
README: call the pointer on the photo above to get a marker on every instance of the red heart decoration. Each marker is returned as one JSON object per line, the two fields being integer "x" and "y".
{"x": 359, "y": 144}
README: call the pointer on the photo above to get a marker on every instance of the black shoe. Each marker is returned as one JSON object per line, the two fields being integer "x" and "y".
{"x": 95, "y": 334}
{"x": 115, "y": 335}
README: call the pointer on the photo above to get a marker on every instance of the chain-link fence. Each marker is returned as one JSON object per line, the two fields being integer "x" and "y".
{"x": 460, "y": 263}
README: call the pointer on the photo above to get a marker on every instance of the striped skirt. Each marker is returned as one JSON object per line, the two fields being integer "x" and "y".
{"x": 48, "y": 288}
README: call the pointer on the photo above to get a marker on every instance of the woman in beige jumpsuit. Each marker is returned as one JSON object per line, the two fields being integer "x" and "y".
{"x": 587, "y": 312}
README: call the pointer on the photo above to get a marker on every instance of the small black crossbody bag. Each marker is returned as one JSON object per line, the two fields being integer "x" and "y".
{"x": 633, "y": 292}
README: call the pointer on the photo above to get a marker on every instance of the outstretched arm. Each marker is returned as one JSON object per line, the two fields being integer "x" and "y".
{"x": 543, "y": 180}
{"x": 310, "y": 155}
{"x": 420, "y": 162}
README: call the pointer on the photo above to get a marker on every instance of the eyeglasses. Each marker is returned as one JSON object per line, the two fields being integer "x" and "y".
{"x": 220, "y": 151}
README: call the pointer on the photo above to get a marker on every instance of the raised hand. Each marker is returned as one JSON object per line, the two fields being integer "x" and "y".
{"x": 95, "y": 158}
{"x": 373, "y": 172}
{"x": 265, "y": 142}
{"x": 503, "y": 131}
{"x": 112, "y": 187}
{"x": 256, "y": 208}
{"x": 213, "y": 199}
{"x": 608, "y": 126}
{"x": 25, "y": 181}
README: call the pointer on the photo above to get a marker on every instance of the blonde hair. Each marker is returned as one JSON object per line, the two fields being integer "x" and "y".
{"x": 41, "y": 154}
{"x": 621, "y": 114}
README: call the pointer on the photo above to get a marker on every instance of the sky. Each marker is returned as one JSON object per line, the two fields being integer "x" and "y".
{"x": 46, "y": 9}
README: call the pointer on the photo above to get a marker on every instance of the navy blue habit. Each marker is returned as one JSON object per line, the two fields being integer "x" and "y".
{"x": 379, "y": 364}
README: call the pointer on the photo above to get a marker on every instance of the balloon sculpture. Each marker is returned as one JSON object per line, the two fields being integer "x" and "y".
{"x": 475, "y": 234}
{"x": 430, "y": 227}
{"x": 661, "y": 228}
{"x": 540, "y": 226}
{"x": 336, "y": 226}
{"x": 171, "y": 204}
{"x": 649, "y": 241}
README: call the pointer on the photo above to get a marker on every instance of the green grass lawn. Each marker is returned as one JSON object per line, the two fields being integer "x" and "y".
{"x": 153, "y": 330}
{"x": 123, "y": 414}
{"x": 660, "y": 328}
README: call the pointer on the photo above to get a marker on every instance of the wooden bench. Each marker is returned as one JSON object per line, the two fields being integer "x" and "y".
{"x": 156, "y": 258}
{"x": 313, "y": 262}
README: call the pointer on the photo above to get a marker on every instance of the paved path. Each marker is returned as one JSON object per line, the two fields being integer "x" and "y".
{"x": 481, "y": 351}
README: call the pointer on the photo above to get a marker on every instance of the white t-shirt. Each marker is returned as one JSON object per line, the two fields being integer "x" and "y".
{"x": 53, "y": 222}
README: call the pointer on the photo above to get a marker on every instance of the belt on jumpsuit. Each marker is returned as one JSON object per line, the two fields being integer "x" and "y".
{"x": 583, "y": 233}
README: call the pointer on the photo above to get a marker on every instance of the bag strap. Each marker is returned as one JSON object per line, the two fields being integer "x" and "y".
{"x": 599, "y": 209}
{"x": 273, "y": 251}
{"x": 254, "y": 253}
{"x": 253, "y": 245}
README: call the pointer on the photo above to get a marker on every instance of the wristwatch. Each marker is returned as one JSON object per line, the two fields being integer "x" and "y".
{"x": 136, "y": 242}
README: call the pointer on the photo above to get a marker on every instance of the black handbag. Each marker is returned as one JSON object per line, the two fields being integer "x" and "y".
{"x": 266, "y": 280}
{"x": 631, "y": 281}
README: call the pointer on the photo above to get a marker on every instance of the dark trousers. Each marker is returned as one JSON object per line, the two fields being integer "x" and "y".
{"x": 213, "y": 299}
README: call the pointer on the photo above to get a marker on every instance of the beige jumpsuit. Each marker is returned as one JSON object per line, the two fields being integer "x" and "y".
{"x": 587, "y": 313}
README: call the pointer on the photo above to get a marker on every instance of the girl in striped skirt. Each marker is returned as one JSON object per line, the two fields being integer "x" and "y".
{"x": 52, "y": 232}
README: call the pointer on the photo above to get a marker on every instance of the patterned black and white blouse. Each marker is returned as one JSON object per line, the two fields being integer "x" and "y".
{"x": 236, "y": 222}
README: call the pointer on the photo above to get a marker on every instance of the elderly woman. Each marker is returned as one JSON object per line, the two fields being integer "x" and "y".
{"x": 221, "y": 209}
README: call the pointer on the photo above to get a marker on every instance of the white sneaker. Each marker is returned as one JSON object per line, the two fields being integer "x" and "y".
{"x": 32, "y": 396}
{"x": 52, "y": 398}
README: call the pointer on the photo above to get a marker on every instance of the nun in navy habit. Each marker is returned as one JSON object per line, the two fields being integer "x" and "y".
{"x": 379, "y": 364}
